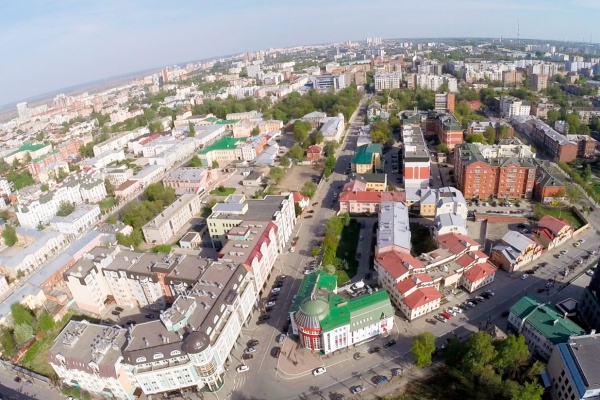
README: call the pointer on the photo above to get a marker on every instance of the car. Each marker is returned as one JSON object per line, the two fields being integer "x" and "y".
{"x": 505, "y": 313}
{"x": 541, "y": 290}
{"x": 446, "y": 315}
{"x": 310, "y": 211}
{"x": 264, "y": 317}
{"x": 470, "y": 304}
{"x": 275, "y": 290}
{"x": 451, "y": 312}
{"x": 252, "y": 343}
{"x": 594, "y": 252}
{"x": 308, "y": 216}
{"x": 69, "y": 398}
{"x": 589, "y": 272}
{"x": 115, "y": 312}
{"x": 278, "y": 284}
{"x": 549, "y": 284}
{"x": 292, "y": 249}
{"x": 250, "y": 350}
{"x": 280, "y": 338}
{"x": 581, "y": 241}
{"x": 358, "y": 356}
{"x": 389, "y": 344}
{"x": 457, "y": 310}
{"x": 563, "y": 252}
{"x": 272, "y": 297}
{"x": 432, "y": 321}
{"x": 440, "y": 318}
{"x": 308, "y": 271}
{"x": 374, "y": 350}
{"x": 319, "y": 371}
{"x": 379, "y": 379}
{"x": 357, "y": 389}
{"x": 275, "y": 352}
{"x": 242, "y": 368}
{"x": 486, "y": 296}
{"x": 579, "y": 262}
{"x": 119, "y": 309}
{"x": 149, "y": 316}
{"x": 480, "y": 298}
{"x": 17, "y": 379}
{"x": 524, "y": 276}
{"x": 130, "y": 322}
{"x": 271, "y": 304}
{"x": 490, "y": 292}
{"x": 281, "y": 277}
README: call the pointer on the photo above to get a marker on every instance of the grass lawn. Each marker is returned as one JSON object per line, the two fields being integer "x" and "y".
{"x": 562, "y": 213}
{"x": 596, "y": 187}
{"x": 347, "y": 251}
{"x": 107, "y": 203}
{"x": 222, "y": 191}
{"x": 421, "y": 240}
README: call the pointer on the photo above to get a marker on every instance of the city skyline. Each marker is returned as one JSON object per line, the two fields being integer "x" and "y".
{"x": 86, "y": 42}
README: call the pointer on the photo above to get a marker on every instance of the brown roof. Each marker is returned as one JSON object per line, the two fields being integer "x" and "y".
{"x": 553, "y": 224}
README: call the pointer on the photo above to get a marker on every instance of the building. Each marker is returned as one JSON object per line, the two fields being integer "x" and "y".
{"x": 393, "y": 233}
{"x": 415, "y": 158}
{"x": 512, "y": 78}
{"x": 223, "y": 151}
{"x": 387, "y": 81}
{"x": 503, "y": 171}
{"x": 302, "y": 201}
{"x": 573, "y": 369}
{"x": 365, "y": 202}
{"x": 514, "y": 251}
{"x": 481, "y": 126}
{"x": 589, "y": 306}
{"x": 372, "y": 182}
{"x": 314, "y": 153}
{"x": 586, "y": 145}
{"x": 512, "y": 106}
{"x": 119, "y": 141}
{"x": 28, "y": 149}
{"x": 447, "y": 128}
{"x": 326, "y": 321}
{"x": 541, "y": 325}
{"x": 165, "y": 225}
{"x": 83, "y": 218}
{"x": 236, "y": 209}
{"x": 552, "y": 143}
{"x": 444, "y": 102}
{"x": 88, "y": 285}
{"x": 551, "y": 232}
{"x": 88, "y": 356}
{"x": 333, "y": 128}
{"x": 325, "y": 82}
{"x": 539, "y": 82}
{"x": 191, "y": 180}
{"x": 549, "y": 186}
{"x": 368, "y": 159}
{"x": 444, "y": 224}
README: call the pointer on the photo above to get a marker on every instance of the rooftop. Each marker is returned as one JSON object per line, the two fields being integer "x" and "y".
{"x": 364, "y": 153}
{"x": 394, "y": 229}
{"x": 225, "y": 143}
{"x": 583, "y": 353}
{"x": 172, "y": 209}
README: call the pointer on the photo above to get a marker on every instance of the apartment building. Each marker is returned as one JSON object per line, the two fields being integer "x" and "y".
{"x": 589, "y": 306}
{"x": 367, "y": 159}
{"x": 540, "y": 109}
{"x": 237, "y": 209}
{"x": 514, "y": 251}
{"x": 549, "y": 186}
{"x": 541, "y": 325}
{"x": 504, "y": 171}
{"x": 326, "y": 321}
{"x": 119, "y": 141}
{"x": 552, "y": 143}
{"x": 573, "y": 370}
{"x": 165, "y": 225}
{"x": 415, "y": 158}
{"x": 191, "y": 180}
{"x": 512, "y": 106}
{"x": 512, "y": 78}
{"x": 444, "y": 102}
{"x": 78, "y": 222}
{"x": 446, "y": 127}
{"x": 387, "y": 81}
{"x": 148, "y": 175}
{"x": 87, "y": 284}
{"x": 325, "y": 82}
{"x": 586, "y": 145}
{"x": 539, "y": 82}
{"x": 89, "y": 356}
{"x": 103, "y": 160}
{"x": 481, "y": 126}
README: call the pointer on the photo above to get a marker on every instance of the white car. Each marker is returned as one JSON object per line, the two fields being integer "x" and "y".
{"x": 490, "y": 292}
{"x": 563, "y": 252}
{"x": 242, "y": 368}
{"x": 457, "y": 310}
{"x": 451, "y": 312}
{"x": 280, "y": 339}
{"x": 319, "y": 371}
{"x": 271, "y": 304}
{"x": 250, "y": 350}
{"x": 292, "y": 249}
{"x": 524, "y": 276}
{"x": 276, "y": 290}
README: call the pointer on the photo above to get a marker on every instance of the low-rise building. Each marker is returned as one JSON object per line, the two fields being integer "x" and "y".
{"x": 79, "y": 221}
{"x": 191, "y": 180}
{"x": 551, "y": 232}
{"x": 372, "y": 182}
{"x": 541, "y": 325}
{"x": 314, "y": 153}
{"x": 549, "y": 186}
{"x": 514, "y": 251}
{"x": 165, "y": 225}
{"x": 365, "y": 202}
{"x": 449, "y": 223}
{"x": 128, "y": 189}
{"x": 368, "y": 159}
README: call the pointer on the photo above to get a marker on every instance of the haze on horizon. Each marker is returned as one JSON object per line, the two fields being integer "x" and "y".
{"x": 52, "y": 45}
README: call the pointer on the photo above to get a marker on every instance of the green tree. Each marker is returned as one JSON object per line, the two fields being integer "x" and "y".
{"x": 27, "y": 158}
{"x": 255, "y": 131}
{"x": 62, "y": 174}
{"x": 21, "y": 314}
{"x": 476, "y": 138}
{"x": 134, "y": 239}
{"x": 192, "y": 129}
{"x": 195, "y": 162}
{"x": 479, "y": 353}
{"x": 300, "y": 131}
{"x": 44, "y": 187}
{"x": 528, "y": 391}
{"x": 15, "y": 163}
{"x": 553, "y": 116}
{"x": 490, "y": 135}
{"x": 297, "y": 210}
{"x": 587, "y": 173}
{"x": 316, "y": 137}
{"x": 296, "y": 152}
{"x": 422, "y": 349}
{"x": 503, "y": 132}
{"x": 162, "y": 248}
{"x": 65, "y": 208}
{"x": 276, "y": 174}
{"x": 442, "y": 148}
{"x": 23, "y": 333}
{"x": 329, "y": 269}
{"x": 7, "y": 343}
{"x": 315, "y": 251}
{"x": 513, "y": 354}
{"x": 155, "y": 126}
{"x": 45, "y": 322}
{"x": 309, "y": 189}
{"x": 9, "y": 234}
{"x": 215, "y": 164}
{"x": 111, "y": 219}
{"x": 285, "y": 162}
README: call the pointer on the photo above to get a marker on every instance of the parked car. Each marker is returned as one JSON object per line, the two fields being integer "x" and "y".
{"x": 149, "y": 316}
{"x": 252, "y": 343}
{"x": 446, "y": 315}
{"x": 319, "y": 371}
{"x": 490, "y": 292}
{"x": 280, "y": 339}
{"x": 264, "y": 317}
{"x": 563, "y": 252}
{"x": 115, "y": 312}
{"x": 242, "y": 368}
{"x": 480, "y": 298}
{"x": 374, "y": 350}
{"x": 271, "y": 304}
{"x": 357, "y": 389}
{"x": 524, "y": 276}
{"x": 505, "y": 313}
{"x": 432, "y": 321}
{"x": 275, "y": 352}
{"x": 389, "y": 344}
{"x": 549, "y": 284}
{"x": 119, "y": 309}
{"x": 457, "y": 310}
{"x": 308, "y": 271}
{"x": 440, "y": 318}
{"x": 292, "y": 249}
{"x": 250, "y": 350}
{"x": 275, "y": 290}
{"x": 379, "y": 379}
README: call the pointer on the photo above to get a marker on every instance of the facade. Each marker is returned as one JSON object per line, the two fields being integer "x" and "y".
{"x": 366, "y": 202}
{"x": 551, "y": 232}
{"x": 447, "y": 128}
{"x": 88, "y": 356}
{"x": 511, "y": 106}
{"x": 548, "y": 187}
{"x": 415, "y": 158}
{"x": 314, "y": 153}
{"x": 542, "y": 326}
{"x": 387, "y": 81}
{"x": 444, "y": 102}
{"x": 79, "y": 221}
{"x": 589, "y": 306}
{"x": 165, "y": 225}
{"x": 539, "y": 82}
{"x": 446, "y": 223}
{"x": 325, "y": 321}
{"x": 88, "y": 285}
{"x": 515, "y": 251}
{"x": 372, "y": 182}
{"x": 368, "y": 159}
{"x": 586, "y": 145}
{"x": 326, "y": 82}
{"x": 191, "y": 180}
{"x": 573, "y": 369}
{"x": 554, "y": 144}
{"x": 223, "y": 151}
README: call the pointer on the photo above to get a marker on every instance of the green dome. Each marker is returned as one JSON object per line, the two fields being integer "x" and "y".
{"x": 311, "y": 312}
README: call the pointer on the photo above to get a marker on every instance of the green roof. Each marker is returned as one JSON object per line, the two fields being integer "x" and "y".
{"x": 546, "y": 320}
{"x": 339, "y": 313}
{"x": 224, "y": 143}
{"x": 366, "y": 309}
{"x": 364, "y": 153}
{"x": 325, "y": 282}
{"x": 29, "y": 147}
{"x": 220, "y": 121}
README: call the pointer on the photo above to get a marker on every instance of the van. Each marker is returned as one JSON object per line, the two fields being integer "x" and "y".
{"x": 358, "y": 285}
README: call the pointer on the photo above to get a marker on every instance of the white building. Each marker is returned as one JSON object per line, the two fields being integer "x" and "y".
{"x": 387, "y": 81}
{"x": 79, "y": 221}
{"x": 165, "y": 225}
{"x": 512, "y": 106}
{"x": 333, "y": 128}
{"x": 119, "y": 141}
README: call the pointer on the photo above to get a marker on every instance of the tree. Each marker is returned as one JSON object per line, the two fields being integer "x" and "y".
{"x": 195, "y": 162}
{"x": 587, "y": 173}
{"x": 296, "y": 152}
{"x": 23, "y": 333}
{"x": 479, "y": 353}
{"x": 329, "y": 269}
{"x": 215, "y": 164}
{"x": 192, "y": 129}
{"x": 134, "y": 239}
{"x": 27, "y": 158}
{"x": 442, "y": 148}
{"x": 503, "y": 132}
{"x": 155, "y": 126}
{"x": 422, "y": 349}
{"x": 315, "y": 251}
{"x": 476, "y": 138}
{"x": 309, "y": 189}
{"x": 300, "y": 131}
{"x": 7, "y": 343}
{"x": 9, "y": 234}
{"x": 21, "y": 314}
{"x": 162, "y": 248}
{"x": 15, "y": 163}
{"x": 111, "y": 219}
{"x": 45, "y": 321}
{"x": 285, "y": 162}
{"x": 276, "y": 174}
{"x": 44, "y": 187}
{"x": 528, "y": 391}
{"x": 490, "y": 135}
{"x": 62, "y": 174}
{"x": 65, "y": 208}
{"x": 513, "y": 354}
{"x": 316, "y": 137}
{"x": 255, "y": 131}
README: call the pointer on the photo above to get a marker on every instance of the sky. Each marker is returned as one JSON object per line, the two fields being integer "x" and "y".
{"x": 49, "y": 45}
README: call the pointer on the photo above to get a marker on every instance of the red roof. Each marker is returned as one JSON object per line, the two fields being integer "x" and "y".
{"x": 421, "y": 297}
{"x": 406, "y": 285}
{"x": 455, "y": 243}
{"x": 372, "y": 197}
{"x": 398, "y": 264}
{"x": 299, "y": 197}
{"x": 355, "y": 186}
{"x": 423, "y": 278}
{"x": 554, "y": 224}
{"x": 479, "y": 271}
{"x": 314, "y": 150}
{"x": 465, "y": 260}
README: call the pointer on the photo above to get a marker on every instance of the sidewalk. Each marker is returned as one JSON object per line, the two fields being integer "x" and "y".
{"x": 295, "y": 360}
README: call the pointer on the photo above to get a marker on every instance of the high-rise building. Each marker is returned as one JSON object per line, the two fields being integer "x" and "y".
{"x": 23, "y": 111}
{"x": 387, "y": 81}
{"x": 589, "y": 307}
{"x": 444, "y": 102}
{"x": 374, "y": 41}
{"x": 539, "y": 82}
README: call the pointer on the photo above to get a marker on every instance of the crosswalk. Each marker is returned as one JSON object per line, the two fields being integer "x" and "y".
{"x": 238, "y": 383}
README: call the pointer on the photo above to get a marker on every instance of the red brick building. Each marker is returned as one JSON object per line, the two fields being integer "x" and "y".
{"x": 314, "y": 153}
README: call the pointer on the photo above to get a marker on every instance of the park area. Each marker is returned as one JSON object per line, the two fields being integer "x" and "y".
{"x": 339, "y": 247}
{"x": 563, "y": 213}
{"x": 222, "y": 191}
